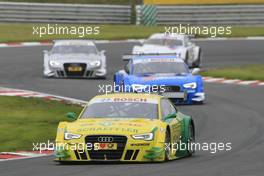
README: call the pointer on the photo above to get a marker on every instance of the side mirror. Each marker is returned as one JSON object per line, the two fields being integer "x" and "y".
{"x": 102, "y": 51}
{"x": 195, "y": 71}
{"x": 71, "y": 115}
{"x": 170, "y": 116}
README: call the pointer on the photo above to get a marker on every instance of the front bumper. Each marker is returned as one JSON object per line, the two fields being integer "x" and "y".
{"x": 191, "y": 98}
{"x": 86, "y": 72}
{"x": 128, "y": 151}
{"x": 177, "y": 94}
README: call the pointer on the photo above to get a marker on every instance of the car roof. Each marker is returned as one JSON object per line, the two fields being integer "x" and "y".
{"x": 130, "y": 95}
{"x": 167, "y": 36}
{"x": 73, "y": 42}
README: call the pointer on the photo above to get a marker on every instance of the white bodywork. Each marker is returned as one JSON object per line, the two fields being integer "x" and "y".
{"x": 171, "y": 43}
{"x": 71, "y": 63}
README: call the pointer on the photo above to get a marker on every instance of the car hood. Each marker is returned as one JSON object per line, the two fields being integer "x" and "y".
{"x": 112, "y": 126}
{"x": 162, "y": 79}
{"x": 158, "y": 49}
{"x": 75, "y": 57}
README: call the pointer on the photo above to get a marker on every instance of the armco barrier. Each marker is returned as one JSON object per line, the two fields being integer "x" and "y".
{"x": 120, "y": 14}
{"x": 205, "y": 15}
{"x": 64, "y": 13}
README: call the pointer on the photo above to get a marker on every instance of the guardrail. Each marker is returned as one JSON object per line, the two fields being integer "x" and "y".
{"x": 121, "y": 14}
{"x": 205, "y": 15}
{"x": 64, "y": 13}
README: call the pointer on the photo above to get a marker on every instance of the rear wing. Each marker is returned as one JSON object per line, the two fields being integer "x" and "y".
{"x": 131, "y": 56}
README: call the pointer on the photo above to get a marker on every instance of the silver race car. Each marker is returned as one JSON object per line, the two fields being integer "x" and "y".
{"x": 74, "y": 59}
{"x": 172, "y": 43}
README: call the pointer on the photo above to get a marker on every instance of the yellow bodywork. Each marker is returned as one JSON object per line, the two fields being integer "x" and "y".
{"x": 134, "y": 150}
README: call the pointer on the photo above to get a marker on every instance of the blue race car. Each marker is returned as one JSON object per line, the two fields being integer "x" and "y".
{"x": 164, "y": 74}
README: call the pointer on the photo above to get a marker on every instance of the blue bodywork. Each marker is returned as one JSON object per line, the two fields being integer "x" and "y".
{"x": 192, "y": 95}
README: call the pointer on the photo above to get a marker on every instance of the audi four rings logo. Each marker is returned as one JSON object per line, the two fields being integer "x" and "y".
{"x": 105, "y": 139}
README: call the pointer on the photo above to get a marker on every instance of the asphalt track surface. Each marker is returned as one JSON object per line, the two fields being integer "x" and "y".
{"x": 231, "y": 113}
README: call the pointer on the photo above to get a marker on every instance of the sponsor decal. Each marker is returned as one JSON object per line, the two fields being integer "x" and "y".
{"x": 114, "y": 129}
{"x": 86, "y": 124}
{"x": 139, "y": 144}
{"x": 124, "y": 99}
{"x": 105, "y": 146}
{"x": 157, "y": 77}
{"x": 129, "y": 124}
{"x": 147, "y": 60}
{"x": 130, "y": 99}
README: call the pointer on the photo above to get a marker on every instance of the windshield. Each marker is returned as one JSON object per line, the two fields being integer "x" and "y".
{"x": 74, "y": 49}
{"x": 121, "y": 110}
{"x": 142, "y": 68}
{"x": 164, "y": 42}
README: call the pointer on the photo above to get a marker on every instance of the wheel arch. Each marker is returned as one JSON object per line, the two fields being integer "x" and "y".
{"x": 187, "y": 120}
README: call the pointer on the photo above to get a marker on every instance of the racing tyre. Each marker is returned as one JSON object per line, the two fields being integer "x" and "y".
{"x": 47, "y": 77}
{"x": 167, "y": 149}
{"x": 187, "y": 59}
{"x": 191, "y": 139}
{"x": 197, "y": 63}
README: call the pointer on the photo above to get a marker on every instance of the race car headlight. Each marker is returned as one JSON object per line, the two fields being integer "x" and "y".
{"x": 95, "y": 63}
{"x": 138, "y": 87}
{"x": 192, "y": 85}
{"x": 146, "y": 136}
{"x": 54, "y": 63}
{"x": 69, "y": 136}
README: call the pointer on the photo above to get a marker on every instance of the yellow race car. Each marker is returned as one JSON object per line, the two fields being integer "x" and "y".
{"x": 126, "y": 127}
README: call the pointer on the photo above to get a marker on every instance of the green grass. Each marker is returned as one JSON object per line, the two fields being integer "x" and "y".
{"x": 23, "y": 32}
{"x": 75, "y": 1}
{"x": 27, "y": 120}
{"x": 16, "y": 32}
{"x": 247, "y": 72}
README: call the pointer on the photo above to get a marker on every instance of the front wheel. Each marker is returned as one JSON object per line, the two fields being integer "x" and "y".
{"x": 197, "y": 63}
{"x": 187, "y": 59}
{"x": 191, "y": 140}
{"x": 167, "y": 146}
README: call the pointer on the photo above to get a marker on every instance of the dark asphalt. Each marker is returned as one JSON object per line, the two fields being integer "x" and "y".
{"x": 231, "y": 113}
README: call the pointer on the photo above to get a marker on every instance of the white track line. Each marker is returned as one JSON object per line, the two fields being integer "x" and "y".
{"x": 248, "y": 82}
{"x": 230, "y": 81}
{"x": 25, "y": 93}
{"x": 214, "y": 79}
